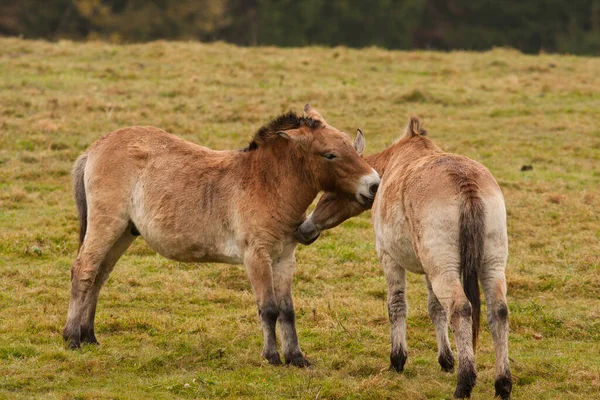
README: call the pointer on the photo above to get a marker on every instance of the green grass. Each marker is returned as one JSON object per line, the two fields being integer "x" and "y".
{"x": 173, "y": 330}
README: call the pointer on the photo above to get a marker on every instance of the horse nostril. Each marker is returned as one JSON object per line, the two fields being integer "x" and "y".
{"x": 373, "y": 188}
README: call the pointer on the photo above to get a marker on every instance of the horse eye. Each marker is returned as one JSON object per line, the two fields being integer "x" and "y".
{"x": 330, "y": 156}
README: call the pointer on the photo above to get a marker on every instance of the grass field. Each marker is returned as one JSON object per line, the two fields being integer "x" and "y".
{"x": 174, "y": 330}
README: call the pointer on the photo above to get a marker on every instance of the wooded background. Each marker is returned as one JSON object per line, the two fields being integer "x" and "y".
{"x": 531, "y": 26}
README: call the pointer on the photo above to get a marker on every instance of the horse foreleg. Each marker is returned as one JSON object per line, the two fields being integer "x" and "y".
{"x": 258, "y": 267}
{"x": 283, "y": 274}
{"x": 395, "y": 277}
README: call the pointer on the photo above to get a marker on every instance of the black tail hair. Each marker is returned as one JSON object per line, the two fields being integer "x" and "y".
{"x": 79, "y": 192}
{"x": 471, "y": 254}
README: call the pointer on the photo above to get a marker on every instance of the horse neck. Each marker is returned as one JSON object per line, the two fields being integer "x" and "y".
{"x": 379, "y": 161}
{"x": 280, "y": 175}
{"x": 404, "y": 151}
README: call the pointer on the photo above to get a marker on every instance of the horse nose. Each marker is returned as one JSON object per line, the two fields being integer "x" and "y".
{"x": 373, "y": 188}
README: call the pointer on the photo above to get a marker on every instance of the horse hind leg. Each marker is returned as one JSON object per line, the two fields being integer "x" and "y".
{"x": 101, "y": 235}
{"x": 447, "y": 288}
{"x": 494, "y": 287}
{"x": 91, "y": 300}
{"x": 440, "y": 323}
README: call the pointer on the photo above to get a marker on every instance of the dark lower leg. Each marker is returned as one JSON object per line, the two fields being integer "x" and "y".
{"x": 494, "y": 286}
{"x": 503, "y": 386}
{"x": 503, "y": 383}
{"x": 498, "y": 321}
{"x": 91, "y": 301}
{"x": 81, "y": 280}
{"x": 87, "y": 325}
{"x": 397, "y": 310}
{"x": 283, "y": 274}
{"x": 72, "y": 329}
{"x": 440, "y": 323}
{"x": 289, "y": 338}
{"x": 395, "y": 277}
{"x": 268, "y": 316}
{"x": 461, "y": 325}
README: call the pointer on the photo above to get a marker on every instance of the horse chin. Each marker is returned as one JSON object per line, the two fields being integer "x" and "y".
{"x": 307, "y": 238}
{"x": 365, "y": 201}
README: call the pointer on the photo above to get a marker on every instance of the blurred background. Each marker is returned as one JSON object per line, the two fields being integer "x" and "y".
{"x": 532, "y": 26}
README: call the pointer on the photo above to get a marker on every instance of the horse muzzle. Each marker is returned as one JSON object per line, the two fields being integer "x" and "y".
{"x": 368, "y": 189}
{"x": 306, "y": 233}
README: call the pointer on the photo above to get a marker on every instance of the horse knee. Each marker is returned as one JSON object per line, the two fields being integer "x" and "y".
{"x": 81, "y": 284}
{"x": 462, "y": 310}
{"x": 502, "y": 311}
{"x": 269, "y": 313}
{"x": 434, "y": 308}
{"x": 287, "y": 314}
{"x": 83, "y": 277}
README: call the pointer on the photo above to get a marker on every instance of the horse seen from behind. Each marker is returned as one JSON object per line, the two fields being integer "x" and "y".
{"x": 441, "y": 215}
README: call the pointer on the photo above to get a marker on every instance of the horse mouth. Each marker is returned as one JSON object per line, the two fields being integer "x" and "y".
{"x": 366, "y": 201}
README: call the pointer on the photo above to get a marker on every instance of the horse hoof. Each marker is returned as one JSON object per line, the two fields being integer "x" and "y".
{"x": 466, "y": 382}
{"x": 298, "y": 361}
{"x": 463, "y": 392}
{"x": 74, "y": 344}
{"x": 273, "y": 359}
{"x": 89, "y": 338}
{"x": 446, "y": 361}
{"x": 503, "y": 387}
{"x": 397, "y": 361}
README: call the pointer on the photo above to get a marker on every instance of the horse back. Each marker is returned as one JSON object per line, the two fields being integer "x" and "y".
{"x": 418, "y": 207}
{"x": 178, "y": 195}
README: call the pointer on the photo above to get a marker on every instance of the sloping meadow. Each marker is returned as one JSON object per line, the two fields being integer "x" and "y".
{"x": 174, "y": 330}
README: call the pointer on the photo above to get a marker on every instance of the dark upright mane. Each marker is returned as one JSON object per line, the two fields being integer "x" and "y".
{"x": 284, "y": 122}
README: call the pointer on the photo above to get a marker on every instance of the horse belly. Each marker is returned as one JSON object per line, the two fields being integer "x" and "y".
{"x": 192, "y": 235}
{"x": 189, "y": 242}
{"x": 394, "y": 238}
{"x": 186, "y": 249}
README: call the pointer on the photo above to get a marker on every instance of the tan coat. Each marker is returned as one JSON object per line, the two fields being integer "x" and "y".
{"x": 191, "y": 203}
{"x": 442, "y": 215}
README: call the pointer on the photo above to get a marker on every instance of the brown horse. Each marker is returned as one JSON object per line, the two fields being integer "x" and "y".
{"x": 441, "y": 215}
{"x": 191, "y": 203}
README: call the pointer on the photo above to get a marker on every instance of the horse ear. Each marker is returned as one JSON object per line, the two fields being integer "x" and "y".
{"x": 314, "y": 114}
{"x": 359, "y": 142}
{"x": 415, "y": 128}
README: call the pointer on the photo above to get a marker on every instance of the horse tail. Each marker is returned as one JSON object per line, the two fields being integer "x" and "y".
{"x": 470, "y": 240}
{"x": 79, "y": 192}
